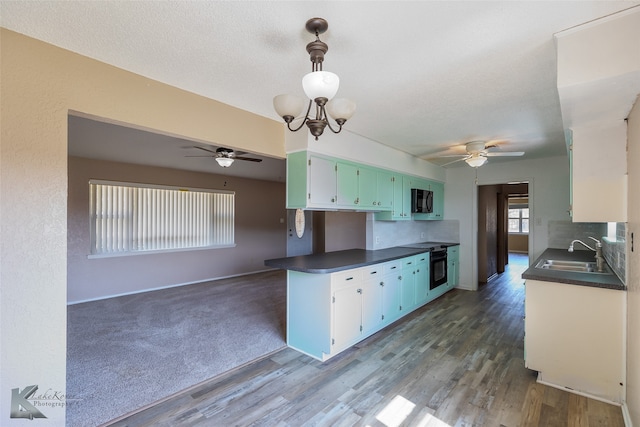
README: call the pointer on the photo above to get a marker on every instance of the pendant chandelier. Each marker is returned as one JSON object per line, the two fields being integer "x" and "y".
{"x": 320, "y": 87}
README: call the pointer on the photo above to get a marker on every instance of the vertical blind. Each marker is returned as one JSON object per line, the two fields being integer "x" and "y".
{"x": 129, "y": 217}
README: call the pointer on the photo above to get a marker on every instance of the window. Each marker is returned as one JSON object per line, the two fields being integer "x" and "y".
{"x": 132, "y": 218}
{"x": 518, "y": 219}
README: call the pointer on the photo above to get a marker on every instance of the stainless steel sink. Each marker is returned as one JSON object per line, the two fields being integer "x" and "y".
{"x": 573, "y": 266}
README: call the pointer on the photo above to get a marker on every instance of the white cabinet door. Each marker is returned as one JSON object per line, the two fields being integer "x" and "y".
{"x": 422, "y": 278}
{"x": 599, "y": 173}
{"x": 391, "y": 291}
{"x": 408, "y": 285}
{"x": 347, "y": 316}
{"x": 322, "y": 182}
{"x": 372, "y": 297}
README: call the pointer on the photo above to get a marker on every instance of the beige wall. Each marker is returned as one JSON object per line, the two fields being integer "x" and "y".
{"x": 259, "y": 234}
{"x": 345, "y": 230}
{"x": 40, "y": 84}
{"x": 633, "y": 266}
{"x": 518, "y": 243}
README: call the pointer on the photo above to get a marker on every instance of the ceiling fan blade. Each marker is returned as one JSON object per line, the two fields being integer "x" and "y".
{"x": 204, "y": 149}
{"x": 454, "y": 161}
{"x": 212, "y": 155}
{"x": 505, "y": 154}
{"x": 249, "y": 159}
{"x": 448, "y": 156}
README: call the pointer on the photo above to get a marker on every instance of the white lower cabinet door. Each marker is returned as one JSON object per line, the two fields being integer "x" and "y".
{"x": 372, "y": 304}
{"x": 347, "y": 316}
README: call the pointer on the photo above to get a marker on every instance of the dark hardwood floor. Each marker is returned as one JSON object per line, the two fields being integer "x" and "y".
{"x": 456, "y": 362}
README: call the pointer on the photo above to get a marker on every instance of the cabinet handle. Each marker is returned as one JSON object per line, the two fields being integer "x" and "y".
{"x": 418, "y": 270}
{"x": 393, "y": 268}
{"x": 374, "y": 272}
{"x": 349, "y": 278}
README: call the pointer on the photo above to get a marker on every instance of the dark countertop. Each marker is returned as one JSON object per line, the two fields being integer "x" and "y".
{"x": 608, "y": 281}
{"x": 330, "y": 262}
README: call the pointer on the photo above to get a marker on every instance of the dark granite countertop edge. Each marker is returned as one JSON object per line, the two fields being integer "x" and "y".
{"x": 572, "y": 278}
{"x": 332, "y": 262}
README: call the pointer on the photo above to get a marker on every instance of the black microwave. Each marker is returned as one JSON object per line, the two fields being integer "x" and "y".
{"x": 421, "y": 201}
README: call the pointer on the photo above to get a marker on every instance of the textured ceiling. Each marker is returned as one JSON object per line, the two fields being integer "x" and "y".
{"x": 426, "y": 75}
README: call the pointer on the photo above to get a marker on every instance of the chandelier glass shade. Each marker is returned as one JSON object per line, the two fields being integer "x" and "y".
{"x": 320, "y": 87}
{"x": 320, "y": 84}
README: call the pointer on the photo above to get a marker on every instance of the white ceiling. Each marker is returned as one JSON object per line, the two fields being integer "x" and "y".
{"x": 426, "y": 75}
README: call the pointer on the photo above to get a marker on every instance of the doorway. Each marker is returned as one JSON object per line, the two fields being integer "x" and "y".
{"x": 496, "y": 226}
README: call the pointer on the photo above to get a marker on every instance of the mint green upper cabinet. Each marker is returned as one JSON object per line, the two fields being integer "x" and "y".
{"x": 316, "y": 181}
{"x": 311, "y": 181}
{"x": 438, "y": 200}
{"x": 385, "y": 189}
{"x": 357, "y": 186}
{"x": 347, "y": 175}
{"x": 367, "y": 188}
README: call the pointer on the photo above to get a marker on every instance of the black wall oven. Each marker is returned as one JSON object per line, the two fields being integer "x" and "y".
{"x": 438, "y": 270}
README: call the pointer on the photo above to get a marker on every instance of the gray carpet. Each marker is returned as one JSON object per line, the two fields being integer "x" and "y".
{"x": 127, "y": 352}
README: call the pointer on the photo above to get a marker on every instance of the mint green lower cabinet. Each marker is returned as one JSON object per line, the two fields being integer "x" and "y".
{"x": 422, "y": 279}
{"x": 372, "y": 298}
{"x": 391, "y": 291}
{"x": 408, "y": 285}
{"x": 328, "y": 313}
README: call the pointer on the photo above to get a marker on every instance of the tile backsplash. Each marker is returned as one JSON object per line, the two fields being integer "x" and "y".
{"x": 615, "y": 251}
{"x": 561, "y": 233}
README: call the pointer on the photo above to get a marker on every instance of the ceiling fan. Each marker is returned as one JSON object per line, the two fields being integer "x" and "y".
{"x": 477, "y": 153}
{"x": 226, "y": 156}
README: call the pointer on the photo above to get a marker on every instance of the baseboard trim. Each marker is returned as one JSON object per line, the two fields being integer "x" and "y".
{"x": 195, "y": 282}
{"x": 626, "y": 416}
{"x": 579, "y": 393}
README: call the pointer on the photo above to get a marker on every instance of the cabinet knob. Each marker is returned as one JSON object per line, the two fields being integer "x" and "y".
{"x": 381, "y": 283}
{"x": 359, "y": 290}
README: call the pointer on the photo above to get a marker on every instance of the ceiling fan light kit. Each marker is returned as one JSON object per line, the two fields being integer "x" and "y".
{"x": 320, "y": 87}
{"x": 226, "y": 156}
{"x": 225, "y": 162}
{"x": 478, "y": 153}
{"x": 475, "y": 161}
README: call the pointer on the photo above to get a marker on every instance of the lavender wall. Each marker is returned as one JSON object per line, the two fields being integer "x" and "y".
{"x": 259, "y": 233}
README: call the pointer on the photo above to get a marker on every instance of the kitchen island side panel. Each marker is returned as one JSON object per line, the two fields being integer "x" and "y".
{"x": 309, "y": 313}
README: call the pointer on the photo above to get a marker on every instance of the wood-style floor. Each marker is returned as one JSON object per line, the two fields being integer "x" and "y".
{"x": 456, "y": 362}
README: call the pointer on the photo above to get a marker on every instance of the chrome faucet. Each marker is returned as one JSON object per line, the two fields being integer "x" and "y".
{"x": 598, "y": 250}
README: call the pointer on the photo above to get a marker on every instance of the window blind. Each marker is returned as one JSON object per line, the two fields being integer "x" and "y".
{"x": 133, "y": 218}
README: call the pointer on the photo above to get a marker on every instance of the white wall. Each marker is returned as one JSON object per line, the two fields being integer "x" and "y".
{"x": 633, "y": 267}
{"x": 349, "y": 146}
{"x": 548, "y": 201}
